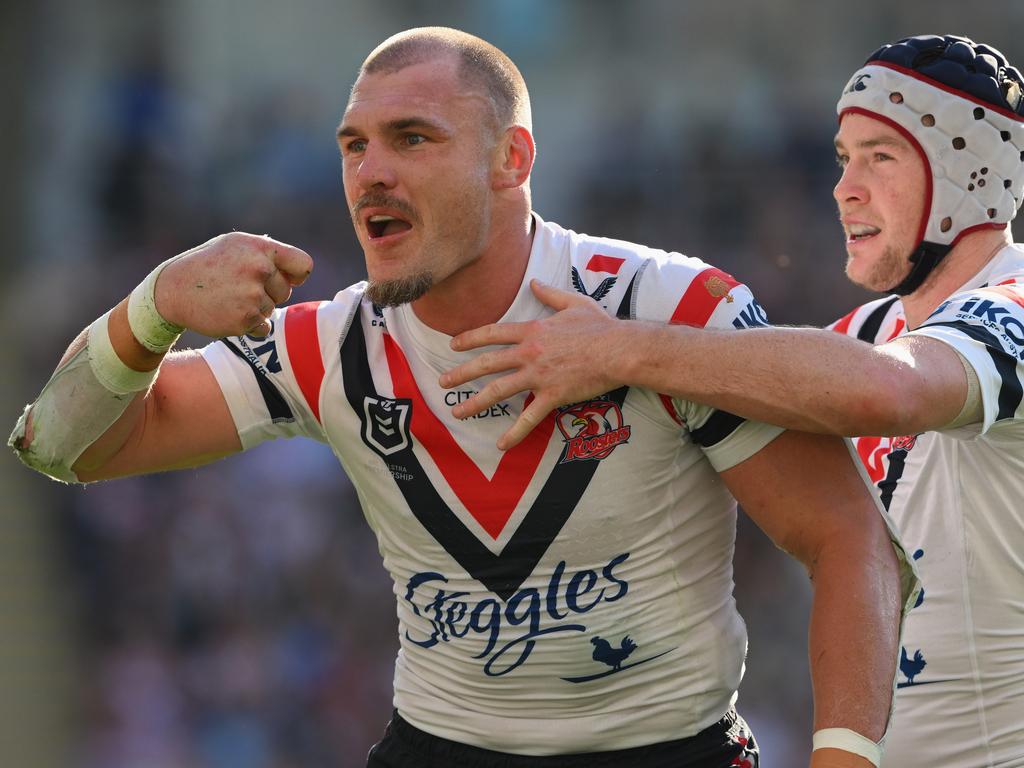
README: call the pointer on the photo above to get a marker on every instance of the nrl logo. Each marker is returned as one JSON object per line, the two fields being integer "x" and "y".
{"x": 718, "y": 288}
{"x": 591, "y": 430}
{"x": 386, "y": 424}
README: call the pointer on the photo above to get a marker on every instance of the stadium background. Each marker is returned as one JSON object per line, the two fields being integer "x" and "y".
{"x": 239, "y": 616}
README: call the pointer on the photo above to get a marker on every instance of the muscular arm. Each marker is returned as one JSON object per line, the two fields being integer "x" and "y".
{"x": 800, "y": 378}
{"x": 804, "y": 492}
{"x": 227, "y": 286}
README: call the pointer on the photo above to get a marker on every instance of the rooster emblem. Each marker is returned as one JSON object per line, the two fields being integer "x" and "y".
{"x": 592, "y": 429}
{"x": 613, "y": 657}
{"x": 911, "y": 668}
{"x": 718, "y": 288}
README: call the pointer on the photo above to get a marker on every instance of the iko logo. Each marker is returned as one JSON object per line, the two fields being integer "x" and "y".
{"x": 751, "y": 316}
{"x": 386, "y": 424}
{"x": 994, "y": 315}
{"x": 592, "y": 430}
{"x": 524, "y": 614}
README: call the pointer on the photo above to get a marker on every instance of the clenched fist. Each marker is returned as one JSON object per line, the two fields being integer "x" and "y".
{"x": 230, "y": 285}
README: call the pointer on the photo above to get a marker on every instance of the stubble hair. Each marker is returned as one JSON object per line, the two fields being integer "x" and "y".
{"x": 392, "y": 293}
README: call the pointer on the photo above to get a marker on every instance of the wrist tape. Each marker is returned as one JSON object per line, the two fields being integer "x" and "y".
{"x": 147, "y": 324}
{"x": 848, "y": 741}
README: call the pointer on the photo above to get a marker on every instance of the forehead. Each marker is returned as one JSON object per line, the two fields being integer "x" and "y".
{"x": 857, "y": 130}
{"x": 431, "y": 89}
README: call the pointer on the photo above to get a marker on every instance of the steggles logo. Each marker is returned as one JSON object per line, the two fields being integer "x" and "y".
{"x": 592, "y": 430}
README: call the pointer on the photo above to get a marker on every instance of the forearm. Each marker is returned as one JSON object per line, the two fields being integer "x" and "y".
{"x": 854, "y": 634}
{"x": 800, "y": 378}
{"x": 90, "y": 406}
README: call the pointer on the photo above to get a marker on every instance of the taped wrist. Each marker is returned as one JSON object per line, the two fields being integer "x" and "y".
{"x": 848, "y": 741}
{"x": 151, "y": 329}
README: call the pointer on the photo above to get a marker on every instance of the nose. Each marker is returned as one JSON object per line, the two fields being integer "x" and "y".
{"x": 851, "y": 187}
{"x": 374, "y": 169}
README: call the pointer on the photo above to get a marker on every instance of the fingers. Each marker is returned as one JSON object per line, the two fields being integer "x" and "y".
{"x": 278, "y": 287}
{"x": 493, "y": 393}
{"x": 261, "y": 330}
{"x": 488, "y": 335}
{"x": 295, "y": 263}
{"x": 479, "y": 366}
{"x": 556, "y": 298}
{"x": 528, "y": 420}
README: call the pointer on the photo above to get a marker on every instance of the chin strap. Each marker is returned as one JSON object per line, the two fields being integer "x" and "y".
{"x": 923, "y": 260}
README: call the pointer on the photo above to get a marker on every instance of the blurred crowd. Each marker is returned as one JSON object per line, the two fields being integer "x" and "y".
{"x": 238, "y": 616}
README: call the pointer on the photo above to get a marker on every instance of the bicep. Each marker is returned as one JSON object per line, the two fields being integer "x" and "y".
{"x": 802, "y": 489}
{"x": 937, "y": 388}
{"x": 182, "y": 422}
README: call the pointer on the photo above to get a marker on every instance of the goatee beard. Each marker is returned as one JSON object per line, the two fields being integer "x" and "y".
{"x": 392, "y": 293}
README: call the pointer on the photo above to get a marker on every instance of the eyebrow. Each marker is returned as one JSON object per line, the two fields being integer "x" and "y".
{"x": 395, "y": 126}
{"x": 880, "y": 141}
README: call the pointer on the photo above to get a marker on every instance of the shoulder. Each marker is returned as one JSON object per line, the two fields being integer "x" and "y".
{"x": 990, "y": 314}
{"x": 660, "y": 285}
{"x": 875, "y": 322}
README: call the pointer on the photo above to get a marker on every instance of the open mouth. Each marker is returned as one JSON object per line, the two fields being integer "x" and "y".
{"x": 857, "y": 233}
{"x": 383, "y": 225}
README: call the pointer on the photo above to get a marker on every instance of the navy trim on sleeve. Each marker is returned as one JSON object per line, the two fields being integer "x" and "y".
{"x": 277, "y": 406}
{"x": 719, "y": 426}
{"x": 1011, "y": 391}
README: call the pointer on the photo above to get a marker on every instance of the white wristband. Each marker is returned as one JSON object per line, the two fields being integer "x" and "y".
{"x": 108, "y": 368}
{"x": 147, "y": 324}
{"x": 848, "y": 741}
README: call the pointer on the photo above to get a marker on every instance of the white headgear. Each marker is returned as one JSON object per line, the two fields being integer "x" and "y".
{"x": 961, "y": 106}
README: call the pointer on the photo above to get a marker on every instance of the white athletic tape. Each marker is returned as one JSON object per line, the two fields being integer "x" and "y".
{"x": 848, "y": 741}
{"x": 147, "y": 324}
{"x": 71, "y": 412}
{"x": 108, "y": 368}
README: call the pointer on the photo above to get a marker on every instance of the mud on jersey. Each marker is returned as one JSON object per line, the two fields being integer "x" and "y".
{"x": 957, "y": 498}
{"x": 573, "y": 594}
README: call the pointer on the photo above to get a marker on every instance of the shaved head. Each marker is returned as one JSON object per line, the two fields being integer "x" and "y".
{"x": 482, "y": 67}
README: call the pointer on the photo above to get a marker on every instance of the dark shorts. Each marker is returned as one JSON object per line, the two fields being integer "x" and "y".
{"x": 726, "y": 744}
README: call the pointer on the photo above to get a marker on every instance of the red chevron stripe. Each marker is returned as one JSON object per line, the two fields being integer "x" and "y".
{"x": 490, "y": 502}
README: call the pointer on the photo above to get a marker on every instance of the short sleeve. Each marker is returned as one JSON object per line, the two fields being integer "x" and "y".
{"x": 262, "y": 378}
{"x": 986, "y": 326}
{"x": 690, "y": 292}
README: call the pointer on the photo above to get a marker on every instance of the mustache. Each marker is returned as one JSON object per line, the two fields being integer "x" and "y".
{"x": 382, "y": 200}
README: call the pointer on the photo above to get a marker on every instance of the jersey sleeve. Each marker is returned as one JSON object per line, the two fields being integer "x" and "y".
{"x": 986, "y": 326}
{"x": 876, "y": 322}
{"x": 687, "y": 291}
{"x": 272, "y": 385}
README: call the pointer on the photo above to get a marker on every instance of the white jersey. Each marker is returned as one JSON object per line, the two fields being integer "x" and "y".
{"x": 573, "y": 594}
{"x": 958, "y": 498}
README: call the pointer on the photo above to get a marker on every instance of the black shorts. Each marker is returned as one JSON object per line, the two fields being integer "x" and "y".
{"x": 726, "y": 744}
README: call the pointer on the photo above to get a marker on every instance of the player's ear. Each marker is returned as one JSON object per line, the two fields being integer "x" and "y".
{"x": 513, "y": 158}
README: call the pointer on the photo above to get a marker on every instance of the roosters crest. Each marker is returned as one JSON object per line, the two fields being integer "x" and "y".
{"x": 591, "y": 430}
{"x": 718, "y": 288}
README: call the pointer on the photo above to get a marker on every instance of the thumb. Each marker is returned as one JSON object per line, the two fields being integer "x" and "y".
{"x": 553, "y": 297}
